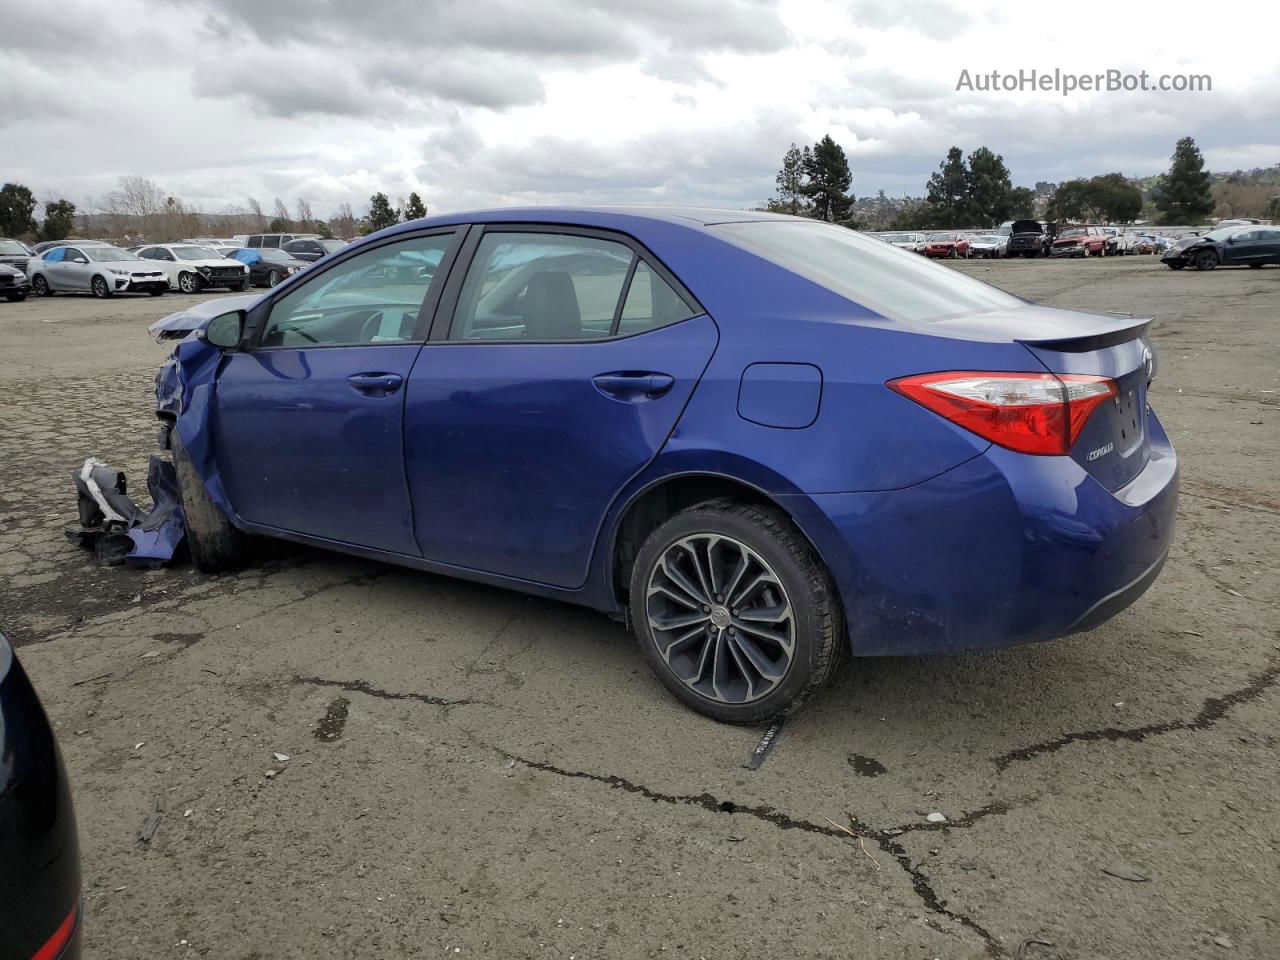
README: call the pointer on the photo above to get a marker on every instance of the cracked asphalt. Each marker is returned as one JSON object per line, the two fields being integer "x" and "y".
{"x": 473, "y": 772}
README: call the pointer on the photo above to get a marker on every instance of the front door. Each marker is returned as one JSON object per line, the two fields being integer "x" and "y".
{"x": 568, "y": 361}
{"x": 309, "y": 421}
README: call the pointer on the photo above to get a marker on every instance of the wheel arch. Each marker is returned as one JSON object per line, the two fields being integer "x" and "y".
{"x": 653, "y": 503}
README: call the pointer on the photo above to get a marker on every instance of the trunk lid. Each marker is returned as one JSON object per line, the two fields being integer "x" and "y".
{"x": 1114, "y": 446}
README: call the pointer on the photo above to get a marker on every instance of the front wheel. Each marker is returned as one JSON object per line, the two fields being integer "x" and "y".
{"x": 212, "y": 541}
{"x": 734, "y": 612}
{"x": 189, "y": 282}
{"x": 100, "y": 288}
{"x": 41, "y": 286}
{"x": 1206, "y": 260}
{"x": 273, "y": 278}
{"x": 19, "y": 297}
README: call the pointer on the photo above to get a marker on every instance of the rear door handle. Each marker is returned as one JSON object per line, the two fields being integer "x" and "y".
{"x": 633, "y": 387}
{"x": 375, "y": 384}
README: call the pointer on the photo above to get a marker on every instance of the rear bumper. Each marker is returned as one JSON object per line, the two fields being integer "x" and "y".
{"x": 1001, "y": 550}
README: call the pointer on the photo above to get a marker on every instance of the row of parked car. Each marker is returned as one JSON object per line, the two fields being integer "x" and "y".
{"x": 104, "y": 269}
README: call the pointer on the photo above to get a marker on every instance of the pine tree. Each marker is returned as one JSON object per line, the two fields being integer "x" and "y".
{"x": 988, "y": 191}
{"x": 948, "y": 190}
{"x": 791, "y": 197}
{"x": 381, "y": 213}
{"x": 16, "y": 208}
{"x": 414, "y": 209}
{"x": 1183, "y": 195}
{"x": 828, "y": 180}
{"x": 59, "y": 220}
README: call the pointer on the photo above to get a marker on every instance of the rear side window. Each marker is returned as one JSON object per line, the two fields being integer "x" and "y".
{"x": 374, "y": 297}
{"x": 55, "y": 255}
{"x": 540, "y": 287}
{"x": 254, "y": 242}
{"x": 881, "y": 277}
{"x": 650, "y": 303}
{"x": 273, "y": 242}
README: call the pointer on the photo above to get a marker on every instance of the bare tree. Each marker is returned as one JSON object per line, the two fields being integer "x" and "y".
{"x": 305, "y": 217}
{"x": 344, "y": 224}
{"x": 282, "y": 215}
{"x": 255, "y": 211}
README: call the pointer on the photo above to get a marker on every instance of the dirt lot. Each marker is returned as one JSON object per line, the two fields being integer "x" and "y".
{"x": 477, "y": 773}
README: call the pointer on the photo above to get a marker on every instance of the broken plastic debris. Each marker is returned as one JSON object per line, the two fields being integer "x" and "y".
{"x": 115, "y": 528}
{"x": 281, "y": 757}
{"x": 936, "y": 817}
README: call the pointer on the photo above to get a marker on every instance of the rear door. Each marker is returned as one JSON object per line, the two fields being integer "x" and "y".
{"x": 560, "y": 363}
{"x": 308, "y": 433}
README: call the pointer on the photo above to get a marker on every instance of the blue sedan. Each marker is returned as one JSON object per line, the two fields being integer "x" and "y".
{"x": 763, "y": 442}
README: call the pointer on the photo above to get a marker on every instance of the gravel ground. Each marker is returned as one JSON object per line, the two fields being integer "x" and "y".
{"x": 473, "y": 772}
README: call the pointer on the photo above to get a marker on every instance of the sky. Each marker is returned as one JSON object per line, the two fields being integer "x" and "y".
{"x": 502, "y": 102}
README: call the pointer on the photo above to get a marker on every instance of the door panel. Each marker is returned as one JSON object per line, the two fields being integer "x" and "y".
{"x": 514, "y": 451}
{"x": 301, "y": 448}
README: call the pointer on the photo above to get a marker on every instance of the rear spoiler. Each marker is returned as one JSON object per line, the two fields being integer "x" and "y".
{"x": 1102, "y": 335}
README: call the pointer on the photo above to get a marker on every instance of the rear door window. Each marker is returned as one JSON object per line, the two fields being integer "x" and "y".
{"x": 542, "y": 286}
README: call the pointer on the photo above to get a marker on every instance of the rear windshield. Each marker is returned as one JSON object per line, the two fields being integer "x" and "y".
{"x": 108, "y": 254}
{"x": 893, "y": 282}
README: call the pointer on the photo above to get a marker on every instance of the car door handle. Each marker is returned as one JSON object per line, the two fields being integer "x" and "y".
{"x": 375, "y": 384}
{"x": 633, "y": 387}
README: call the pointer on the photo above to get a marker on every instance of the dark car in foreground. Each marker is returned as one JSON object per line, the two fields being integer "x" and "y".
{"x": 39, "y": 855}
{"x": 1027, "y": 238}
{"x": 14, "y": 285}
{"x": 762, "y": 441}
{"x": 1246, "y": 246}
{"x": 267, "y": 266}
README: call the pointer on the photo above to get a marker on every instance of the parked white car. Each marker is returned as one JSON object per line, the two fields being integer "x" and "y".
{"x": 94, "y": 268}
{"x": 988, "y": 245}
{"x": 915, "y": 242}
{"x": 192, "y": 268}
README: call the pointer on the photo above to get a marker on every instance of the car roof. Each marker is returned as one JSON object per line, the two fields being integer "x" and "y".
{"x": 599, "y": 215}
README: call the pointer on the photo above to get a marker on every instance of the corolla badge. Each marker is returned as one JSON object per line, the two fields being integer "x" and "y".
{"x": 1101, "y": 452}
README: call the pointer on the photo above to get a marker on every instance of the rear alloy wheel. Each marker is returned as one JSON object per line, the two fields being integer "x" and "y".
{"x": 41, "y": 286}
{"x": 274, "y": 278}
{"x": 189, "y": 282}
{"x": 1206, "y": 260}
{"x": 734, "y": 612}
{"x": 100, "y": 288}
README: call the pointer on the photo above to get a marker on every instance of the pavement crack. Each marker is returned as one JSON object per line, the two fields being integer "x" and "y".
{"x": 361, "y": 686}
{"x": 884, "y": 839}
{"x": 1213, "y": 710}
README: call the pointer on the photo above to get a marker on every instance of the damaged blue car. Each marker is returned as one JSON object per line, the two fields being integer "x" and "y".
{"x": 762, "y": 441}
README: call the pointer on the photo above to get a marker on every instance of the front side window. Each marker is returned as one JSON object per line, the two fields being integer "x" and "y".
{"x": 878, "y": 276}
{"x": 546, "y": 287}
{"x": 373, "y": 297}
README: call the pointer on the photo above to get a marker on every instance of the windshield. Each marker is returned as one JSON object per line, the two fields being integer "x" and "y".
{"x": 269, "y": 253}
{"x": 107, "y": 254}
{"x": 1072, "y": 233}
{"x": 1221, "y": 234}
{"x": 986, "y": 239}
{"x": 195, "y": 253}
{"x": 879, "y": 276}
{"x": 942, "y": 238}
{"x": 11, "y": 248}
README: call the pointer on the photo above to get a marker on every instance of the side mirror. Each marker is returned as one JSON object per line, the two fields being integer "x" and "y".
{"x": 1231, "y": 239}
{"x": 225, "y": 331}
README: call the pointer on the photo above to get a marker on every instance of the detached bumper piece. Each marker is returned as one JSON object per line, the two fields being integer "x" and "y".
{"x": 115, "y": 528}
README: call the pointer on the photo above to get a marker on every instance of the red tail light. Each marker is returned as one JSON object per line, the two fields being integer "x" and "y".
{"x": 1039, "y": 413}
{"x": 61, "y": 937}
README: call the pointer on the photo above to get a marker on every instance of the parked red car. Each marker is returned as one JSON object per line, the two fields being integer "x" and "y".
{"x": 947, "y": 245}
{"x": 1079, "y": 242}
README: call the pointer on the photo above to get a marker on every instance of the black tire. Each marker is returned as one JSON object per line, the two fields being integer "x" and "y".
{"x": 240, "y": 287}
{"x": 41, "y": 286}
{"x": 100, "y": 288}
{"x": 214, "y": 544}
{"x": 189, "y": 282}
{"x": 273, "y": 278}
{"x": 19, "y": 297}
{"x": 1175, "y": 264}
{"x": 814, "y": 613}
{"x": 1206, "y": 260}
